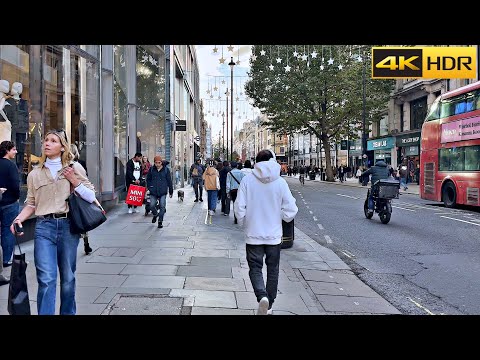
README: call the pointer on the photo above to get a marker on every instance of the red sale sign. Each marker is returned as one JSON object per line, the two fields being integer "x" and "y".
{"x": 135, "y": 195}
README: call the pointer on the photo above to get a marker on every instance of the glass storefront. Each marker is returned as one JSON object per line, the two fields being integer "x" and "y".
{"x": 50, "y": 87}
{"x": 150, "y": 90}
{"x": 120, "y": 115}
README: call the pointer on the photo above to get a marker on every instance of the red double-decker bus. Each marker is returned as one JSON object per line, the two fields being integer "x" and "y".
{"x": 450, "y": 148}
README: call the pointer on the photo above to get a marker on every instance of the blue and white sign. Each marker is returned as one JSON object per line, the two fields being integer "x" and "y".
{"x": 381, "y": 144}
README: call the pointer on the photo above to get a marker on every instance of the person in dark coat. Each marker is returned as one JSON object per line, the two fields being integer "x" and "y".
{"x": 379, "y": 171}
{"x": 159, "y": 184}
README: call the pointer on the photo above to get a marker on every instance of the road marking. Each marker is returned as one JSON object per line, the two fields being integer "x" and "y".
{"x": 398, "y": 207}
{"x": 468, "y": 222}
{"x": 348, "y": 196}
{"x": 311, "y": 212}
{"x": 413, "y": 205}
{"x": 320, "y": 227}
{"x": 327, "y": 238}
{"x": 420, "y": 306}
{"x": 315, "y": 219}
{"x": 348, "y": 254}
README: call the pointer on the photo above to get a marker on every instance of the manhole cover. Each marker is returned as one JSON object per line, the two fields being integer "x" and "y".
{"x": 147, "y": 304}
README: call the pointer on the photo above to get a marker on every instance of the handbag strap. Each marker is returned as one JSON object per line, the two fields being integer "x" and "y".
{"x": 18, "y": 244}
{"x": 235, "y": 178}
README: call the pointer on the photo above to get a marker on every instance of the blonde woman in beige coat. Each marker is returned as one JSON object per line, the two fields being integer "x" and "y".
{"x": 211, "y": 180}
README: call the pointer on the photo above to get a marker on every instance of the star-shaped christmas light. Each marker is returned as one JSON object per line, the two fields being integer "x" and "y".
{"x": 359, "y": 59}
{"x": 222, "y": 60}
{"x": 304, "y": 57}
{"x": 219, "y": 97}
{"x": 278, "y": 60}
{"x": 295, "y": 53}
{"x": 254, "y": 57}
{"x": 144, "y": 58}
{"x": 340, "y": 67}
{"x": 262, "y": 52}
{"x": 238, "y": 62}
{"x": 223, "y": 82}
{"x": 287, "y": 68}
{"x": 208, "y": 91}
{"x": 215, "y": 49}
{"x": 270, "y": 66}
{"x": 211, "y": 96}
{"x": 322, "y": 67}
{"x": 330, "y": 61}
{"x": 230, "y": 48}
{"x": 215, "y": 88}
{"x": 314, "y": 54}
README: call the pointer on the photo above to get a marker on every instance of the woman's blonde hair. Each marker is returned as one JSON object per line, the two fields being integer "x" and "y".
{"x": 67, "y": 155}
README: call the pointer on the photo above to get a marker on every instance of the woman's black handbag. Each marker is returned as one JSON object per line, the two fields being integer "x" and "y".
{"x": 18, "y": 300}
{"x": 84, "y": 216}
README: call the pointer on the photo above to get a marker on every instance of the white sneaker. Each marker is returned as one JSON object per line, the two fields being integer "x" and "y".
{"x": 130, "y": 211}
{"x": 263, "y": 306}
{"x": 270, "y": 312}
{"x": 210, "y": 212}
{"x": 136, "y": 210}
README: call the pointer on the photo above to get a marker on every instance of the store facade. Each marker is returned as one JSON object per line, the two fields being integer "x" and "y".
{"x": 111, "y": 100}
{"x": 383, "y": 149}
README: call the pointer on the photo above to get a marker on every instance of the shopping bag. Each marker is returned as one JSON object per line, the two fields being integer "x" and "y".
{"x": 18, "y": 300}
{"x": 135, "y": 195}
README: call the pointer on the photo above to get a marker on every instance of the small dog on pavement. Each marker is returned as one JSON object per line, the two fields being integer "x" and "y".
{"x": 180, "y": 195}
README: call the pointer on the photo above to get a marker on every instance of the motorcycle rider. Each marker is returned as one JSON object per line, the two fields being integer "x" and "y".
{"x": 379, "y": 172}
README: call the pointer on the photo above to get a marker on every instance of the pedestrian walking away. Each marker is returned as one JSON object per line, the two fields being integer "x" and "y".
{"x": 234, "y": 177}
{"x": 264, "y": 200}
{"x": 55, "y": 246}
{"x": 196, "y": 174}
{"x": 9, "y": 206}
{"x": 159, "y": 184}
{"x": 212, "y": 185}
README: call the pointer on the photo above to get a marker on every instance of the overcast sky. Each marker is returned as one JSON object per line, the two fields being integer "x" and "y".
{"x": 213, "y": 73}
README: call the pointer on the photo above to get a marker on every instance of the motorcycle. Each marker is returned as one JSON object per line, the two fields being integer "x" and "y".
{"x": 383, "y": 192}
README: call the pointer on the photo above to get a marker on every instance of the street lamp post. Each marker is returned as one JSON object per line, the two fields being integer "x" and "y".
{"x": 227, "y": 93}
{"x": 223, "y": 136}
{"x": 231, "y": 64}
{"x": 364, "y": 114}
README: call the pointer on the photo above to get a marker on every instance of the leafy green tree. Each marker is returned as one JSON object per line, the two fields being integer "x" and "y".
{"x": 311, "y": 96}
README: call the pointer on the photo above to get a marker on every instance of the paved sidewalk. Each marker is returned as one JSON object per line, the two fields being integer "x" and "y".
{"x": 192, "y": 268}
{"x": 413, "y": 188}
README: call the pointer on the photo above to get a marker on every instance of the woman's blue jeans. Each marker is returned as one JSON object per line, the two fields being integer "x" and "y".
{"x": 212, "y": 199}
{"x": 55, "y": 247}
{"x": 8, "y": 213}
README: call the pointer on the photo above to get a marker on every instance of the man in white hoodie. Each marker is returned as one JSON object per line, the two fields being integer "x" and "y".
{"x": 263, "y": 201}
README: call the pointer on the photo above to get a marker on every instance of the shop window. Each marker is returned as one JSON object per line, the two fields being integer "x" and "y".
{"x": 150, "y": 90}
{"x": 84, "y": 115}
{"x": 120, "y": 115}
{"x": 418, "y": 113}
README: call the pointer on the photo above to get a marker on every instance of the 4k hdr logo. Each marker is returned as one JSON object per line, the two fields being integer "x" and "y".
{"x": 424, "y": 62}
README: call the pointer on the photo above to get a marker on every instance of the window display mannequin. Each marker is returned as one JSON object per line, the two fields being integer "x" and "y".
{"x": 17, "y": 113}
{"x": 5, "y": 125}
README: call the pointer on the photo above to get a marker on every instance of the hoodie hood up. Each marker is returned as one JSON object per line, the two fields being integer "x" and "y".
{"x": 267, "y": 171}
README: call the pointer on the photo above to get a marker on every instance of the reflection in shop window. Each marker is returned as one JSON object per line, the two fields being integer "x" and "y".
{"x": 150, "y": 90}
{"x": 120, "y": 115}
{"x": 84, "y": 127}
